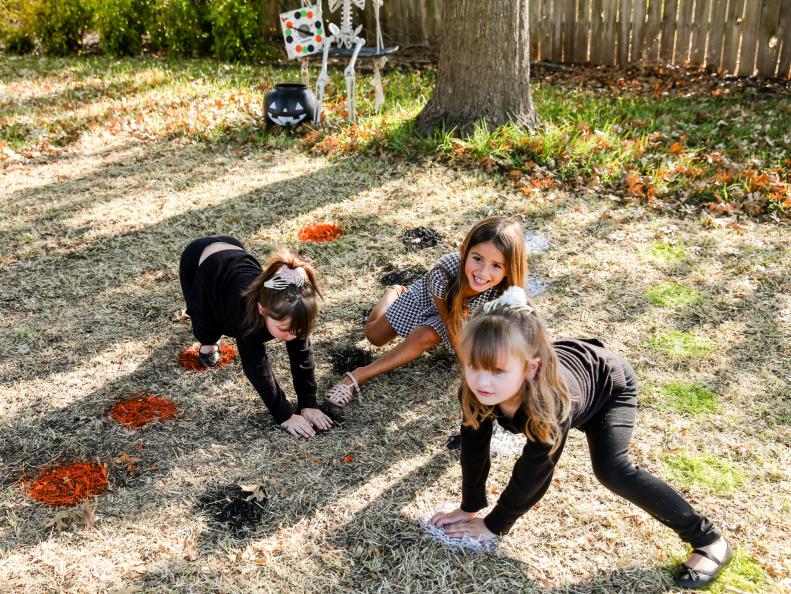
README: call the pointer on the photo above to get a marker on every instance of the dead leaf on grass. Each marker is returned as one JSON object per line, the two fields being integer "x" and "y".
{"x": 256, "y": 491}
{"x": 130, "y": 461}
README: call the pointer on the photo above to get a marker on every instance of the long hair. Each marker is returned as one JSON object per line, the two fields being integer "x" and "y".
{"x": 545, "y": 398}
{"x": 300, "y": 304}
{"x": 508, "y": 237}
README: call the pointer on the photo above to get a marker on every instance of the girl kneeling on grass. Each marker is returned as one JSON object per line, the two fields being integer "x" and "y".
{"x": 228, "y": 293}
{"x": 491, "y": 259}
{"x": 514, "y": 375}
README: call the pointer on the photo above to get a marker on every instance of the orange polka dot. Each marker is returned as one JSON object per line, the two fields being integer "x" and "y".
{"x": 289, "y": 25}
{"x": 298, "y": 48}
{"x": 310, "y": 14}
{"x": 318, "y": 37}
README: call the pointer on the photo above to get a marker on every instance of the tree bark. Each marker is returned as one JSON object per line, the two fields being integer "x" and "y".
{"x": 484, "y": 67}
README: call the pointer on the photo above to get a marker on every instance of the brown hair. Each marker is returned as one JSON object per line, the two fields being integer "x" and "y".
{"x": 508, "y": 237}
{"x": 298, "y": 303}
{"x": 545, "y": 399}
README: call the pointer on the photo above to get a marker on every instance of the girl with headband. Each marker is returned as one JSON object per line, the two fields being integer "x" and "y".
{"x": 229, "y": 293}
{"x": 513, "y": 374}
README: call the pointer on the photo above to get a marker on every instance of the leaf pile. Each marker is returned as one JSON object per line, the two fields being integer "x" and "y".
{"x": 236, "y": 508}
{"x": 140, "y": 410}
{"x": 69, "y": 484}
{"x": 188, "y": 358}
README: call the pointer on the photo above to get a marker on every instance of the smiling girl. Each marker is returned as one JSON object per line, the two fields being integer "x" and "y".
{"x": 431, "y": 311}
{"x": 514, "y": 375}
{"x": 228, "y": 293}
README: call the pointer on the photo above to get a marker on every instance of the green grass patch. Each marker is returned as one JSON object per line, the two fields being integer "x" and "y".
{"x": 680, "y": 344}
{"x": 704, "y": 472}
{"x": 673, "y": 295}
{"x": 665, "y": 253}
{"x": 689, "y": 398}
{"x": 745, "y": 575}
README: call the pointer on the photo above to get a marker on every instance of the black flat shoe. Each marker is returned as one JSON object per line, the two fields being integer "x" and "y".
{"x": 209, "y": 359}
{"x": 688, "y": 578}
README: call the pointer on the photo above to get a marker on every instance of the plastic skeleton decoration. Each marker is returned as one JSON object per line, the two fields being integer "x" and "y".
{"x": 346, "y": 36}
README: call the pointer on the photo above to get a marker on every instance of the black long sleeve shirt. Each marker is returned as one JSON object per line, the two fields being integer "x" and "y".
{"x": 591, "y": 373}
{"x": 216, "y": 306}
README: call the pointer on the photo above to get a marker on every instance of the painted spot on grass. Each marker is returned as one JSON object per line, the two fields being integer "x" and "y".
{"x": 673, "y": 295}
{"x": 680, "y": 344}
{"x": 234, "y": 509}
{"x": 664, "y": 252}
{"x": 349, "y": 359}
{"x": 320, "y": 232}
{"x": 535, "y": 286}
{"x": 403, "y": 276}
{"x": 689, "y": 398}
{"x": 420, "y": 238}
{"x": 535, "y": 243}
{"x": 69, "y": 484}
{"x": 188, "y": 358}
{"x": 703, "y": 471}
{"x": 141, "y": 409}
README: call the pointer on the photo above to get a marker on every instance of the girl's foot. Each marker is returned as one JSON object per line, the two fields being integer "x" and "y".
{"x": 209, "y": 355}
{"x": 343, "y": 392}
{"x": 704, "y": 564}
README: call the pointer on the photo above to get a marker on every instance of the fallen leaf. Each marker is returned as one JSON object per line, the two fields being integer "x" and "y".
{"x": 130, "y": 461}
{"x": 256, "y": 491}
{"x": 347, "y": 458}
{"x": 676, "y": 148}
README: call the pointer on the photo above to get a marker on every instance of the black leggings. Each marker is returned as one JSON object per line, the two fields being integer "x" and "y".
{"x": 188, "y": 268}
{"x": 609, "y": 434}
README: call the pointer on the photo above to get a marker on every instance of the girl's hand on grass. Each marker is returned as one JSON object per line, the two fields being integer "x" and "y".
{"x": 473, "y": 528}
{"x": 298, "y": 426}
{"x": 316, "y": 418}
{"x": 443, "y": 519}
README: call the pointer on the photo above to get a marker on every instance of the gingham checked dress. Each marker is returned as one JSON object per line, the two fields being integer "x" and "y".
{"x": 415, "y": 307}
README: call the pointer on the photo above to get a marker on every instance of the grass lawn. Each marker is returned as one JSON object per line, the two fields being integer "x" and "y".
{"x": 675, "y": 256}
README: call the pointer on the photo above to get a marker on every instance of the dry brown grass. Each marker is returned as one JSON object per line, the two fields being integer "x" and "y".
{"x": 90, "y": 300}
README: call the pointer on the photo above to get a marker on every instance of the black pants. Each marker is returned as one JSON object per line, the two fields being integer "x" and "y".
{"x": 609, "y": 434}
{"x": 188, "y": 268}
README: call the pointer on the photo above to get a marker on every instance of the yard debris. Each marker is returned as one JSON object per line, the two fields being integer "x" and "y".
{"x": 69, "y": 484}
{"x": 188, "y": 358}
{"x": 83, "y": 516}
{"x": 141, "y": 409}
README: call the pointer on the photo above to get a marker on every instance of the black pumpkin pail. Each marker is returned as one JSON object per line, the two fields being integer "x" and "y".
{"x": 289, "y": 104}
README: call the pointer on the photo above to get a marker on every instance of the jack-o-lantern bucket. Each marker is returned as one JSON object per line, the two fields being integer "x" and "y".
{"x": 289, "y": 104}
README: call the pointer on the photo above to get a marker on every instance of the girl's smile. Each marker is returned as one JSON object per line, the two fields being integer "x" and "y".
{"x": 484, "y": 267}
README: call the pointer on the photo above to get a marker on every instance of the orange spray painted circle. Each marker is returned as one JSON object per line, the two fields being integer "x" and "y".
{"x": 188, "y": 358}
{"x": 69, "y": 484}
{"x": 141, "y": 409}
{"x": 320, "y": 232}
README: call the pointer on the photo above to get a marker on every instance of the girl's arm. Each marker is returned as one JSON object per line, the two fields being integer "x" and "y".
{"x": 475, "y": 464}
{"x": 300, "y": 357}
{"x": 530, "y": 479}
{"x": 442, "y": 309}
{"x": 258, "y": 370}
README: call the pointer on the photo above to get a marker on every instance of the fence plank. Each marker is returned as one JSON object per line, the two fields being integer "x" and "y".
{"x": 733, "y": 36}
{"x": 784, "y": 35}
{"x": 638, "y": 31}
{"x": 716, "y": 34}
{"x": 581, "y": 31}
{"x": 652, "y": 31}
{"x": 557, "y": 33}
{"x": 668, "y": 31}
{"x": 697, "y": 36}
{"x": 546, "y": 29}
{"x": 684, "y": 31}
{"x": 597, "y": 30}
{"x": 610, "y": 23}
{"x": 768, "y": 40}
{"x": 753, "y": 13}
{"x": 624, "y": 25}
{"x": 569, "y": 18}
{"x": 535, "y": 27}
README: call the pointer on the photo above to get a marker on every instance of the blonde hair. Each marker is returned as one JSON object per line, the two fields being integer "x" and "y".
{"x": 546, "y": 402}
{"x": 509, "y": 238}
{"x": 299, "y": 303}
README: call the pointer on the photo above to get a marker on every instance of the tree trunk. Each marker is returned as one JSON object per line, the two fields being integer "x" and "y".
{"x": 484, "y": 67}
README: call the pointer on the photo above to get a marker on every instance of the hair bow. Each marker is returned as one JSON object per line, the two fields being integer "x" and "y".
{"x": 513, "y": 297}
{"x": 286, "y": 276}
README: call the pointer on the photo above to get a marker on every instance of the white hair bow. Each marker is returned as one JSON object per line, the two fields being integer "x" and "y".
{"x": 513, "y": 297}
{"x": 286, "y": 276}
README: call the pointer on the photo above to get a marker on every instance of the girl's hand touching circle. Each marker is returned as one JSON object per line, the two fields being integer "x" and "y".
{"x": 443, "y": 519}
{"x": 459, "y": 524}
{"x": 316, "y": 418}
{"x": 298, "y": 426}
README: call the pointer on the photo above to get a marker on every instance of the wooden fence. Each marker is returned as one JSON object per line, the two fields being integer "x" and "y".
{"x": 743, "y": 37}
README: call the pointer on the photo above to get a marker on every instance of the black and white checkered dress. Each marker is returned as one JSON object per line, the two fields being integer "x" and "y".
{"x": 416, "y": 307}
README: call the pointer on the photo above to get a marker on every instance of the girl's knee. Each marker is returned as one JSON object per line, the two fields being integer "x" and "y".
{"x": 614, "y": 474}
{"x": 424, "y": 337}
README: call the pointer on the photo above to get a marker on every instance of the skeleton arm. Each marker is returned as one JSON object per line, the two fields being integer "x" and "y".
{"x": 324, "y": 78}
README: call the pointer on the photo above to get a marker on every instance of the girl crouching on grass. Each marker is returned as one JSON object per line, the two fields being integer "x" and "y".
{"x": 228, "y": 293}
{"x": 431, "y": 311}
{"x": 514, "y": 375}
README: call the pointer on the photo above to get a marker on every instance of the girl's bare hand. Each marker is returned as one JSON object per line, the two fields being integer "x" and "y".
{"x": 473, "y": 528}
{"x": 299, "y": 426}
{"x": 316, "y": 418}
{"x": 443, "y": 519}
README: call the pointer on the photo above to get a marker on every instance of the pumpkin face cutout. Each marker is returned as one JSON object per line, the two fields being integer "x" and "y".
{"x": 289, "y": 104}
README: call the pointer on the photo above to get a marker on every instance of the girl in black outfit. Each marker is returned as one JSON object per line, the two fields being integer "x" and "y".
{"x": 228, "y": 293}
{"x": 512, "y": 374}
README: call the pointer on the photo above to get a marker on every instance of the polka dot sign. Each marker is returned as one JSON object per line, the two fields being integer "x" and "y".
{"x": 303, "y": 31}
